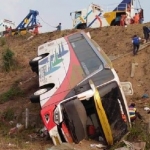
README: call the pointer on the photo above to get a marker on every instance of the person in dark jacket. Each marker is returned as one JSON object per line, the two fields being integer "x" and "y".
{"x": 136, "y": 44}
{"x": 146, "y": 32}
{"x": 59, "y": 27}
{"x": 141, "y": 15}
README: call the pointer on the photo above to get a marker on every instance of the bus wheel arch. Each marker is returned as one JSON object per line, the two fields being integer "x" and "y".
{"x": 82, "y": 26}
{"x": 34, "y": 62}
{"x": 113, "y": 22}
{"x": 35, "y": 97}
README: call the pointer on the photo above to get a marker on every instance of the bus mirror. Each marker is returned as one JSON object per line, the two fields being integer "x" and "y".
{"x": 127, "y": 88}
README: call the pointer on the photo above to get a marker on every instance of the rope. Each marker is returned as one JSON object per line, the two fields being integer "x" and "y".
{"x": 142, "y": 47}
{"x": 46, "y": 22}
{"x": 136, "y": 5}
{"x": 139, "y": 3}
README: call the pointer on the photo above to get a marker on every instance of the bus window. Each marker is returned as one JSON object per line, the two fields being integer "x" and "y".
{"x": 98, "y": 9}
{"x": 77, "y": 14}
{"x": 88, "y": 59}
{"x": 102, "y": 53}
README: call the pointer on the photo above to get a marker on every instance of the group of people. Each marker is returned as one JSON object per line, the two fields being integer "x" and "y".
{"x": 35, "y": 31}
{"x": 136, "y": 44}
{"x": 136, "y": 40}
{"x": 125, "y": 19}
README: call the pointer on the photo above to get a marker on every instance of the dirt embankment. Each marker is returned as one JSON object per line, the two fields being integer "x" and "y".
{"x": 115, "y": 41}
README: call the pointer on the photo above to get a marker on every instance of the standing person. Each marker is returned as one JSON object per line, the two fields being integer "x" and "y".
{"x": 127, "y": 19}
{"x": 117, "y": 20}
{"x": 36, "y": 30}
{"x": 129, "y": 7}
{"x": 136, "y": 18}
{"x": 59, "y": 27}
{"x": 10, "y": 30}
{"x": 141, "y": 16}
{"x": 146, "y": 32}
{"x": 122, "y": 20}
{"x": 6, "y": 27}
{"x": 133, "y": 112}
{"x": 7, "y": 30}
{"x": 136, "y": 44}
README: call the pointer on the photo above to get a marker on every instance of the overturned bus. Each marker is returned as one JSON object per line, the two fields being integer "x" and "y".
{"x": 79, "y": 91}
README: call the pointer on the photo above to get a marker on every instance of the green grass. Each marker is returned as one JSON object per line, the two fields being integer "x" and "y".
{"x": 13, "y": 92}
{"x": 138, "y": 132}
{"x": 8, "y": 114}
{"x": 8, "y": 59}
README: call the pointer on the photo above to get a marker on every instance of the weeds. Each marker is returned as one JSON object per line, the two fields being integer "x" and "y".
{"x": 135, "y": 132}
{"x": 138, "y": 132}
{"x": 7, "y": 59}
{"x": 8, "y": 114}
{"x": 13, "y": 92}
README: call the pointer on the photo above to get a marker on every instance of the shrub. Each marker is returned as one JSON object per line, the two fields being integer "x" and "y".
{"x": 7, "y": 59}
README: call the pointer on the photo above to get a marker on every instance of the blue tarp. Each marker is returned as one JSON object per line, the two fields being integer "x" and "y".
{"x": 122, "y": 5}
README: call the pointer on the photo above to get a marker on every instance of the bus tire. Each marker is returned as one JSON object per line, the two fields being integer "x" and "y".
{"x": 34, "y": 62}
{"x": 35, "y": 98}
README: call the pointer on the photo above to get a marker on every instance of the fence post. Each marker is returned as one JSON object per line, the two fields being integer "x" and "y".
{"x": 26, "y": 118}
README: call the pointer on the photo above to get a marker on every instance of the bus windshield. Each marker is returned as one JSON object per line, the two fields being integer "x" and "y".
{"x": 110, "y": 95}
{"x": 88, "y": 59}
{"x": 77, "y": 14}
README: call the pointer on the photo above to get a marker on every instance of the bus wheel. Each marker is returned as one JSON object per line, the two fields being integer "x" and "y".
{"x": 34, "y": 62}
{"x": 35, "y": 98}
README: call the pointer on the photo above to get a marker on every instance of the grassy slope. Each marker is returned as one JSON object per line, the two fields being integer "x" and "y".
{"x": 113, "y": 40}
